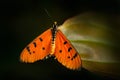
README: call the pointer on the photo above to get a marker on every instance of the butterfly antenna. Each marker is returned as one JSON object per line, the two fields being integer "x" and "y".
{"x": 50, "y": 17}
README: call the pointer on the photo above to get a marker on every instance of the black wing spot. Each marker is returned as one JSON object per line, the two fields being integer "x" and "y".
{"x": 41, "y": 39}
{"x": 28, "y": 49}
{"x": 69, "y": 49}
{"x": 43, "y": 48}
{"x": 65, "y": 42}
{"x": 34, "y": 43}
{"x": 33, "y": 51}
{"x": 60, "y": 51}
{"x": 68, "y": 57}
{"x": 76, "y": 54}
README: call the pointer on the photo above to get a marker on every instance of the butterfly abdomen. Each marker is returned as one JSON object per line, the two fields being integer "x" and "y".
{"x": 54, "y": 31}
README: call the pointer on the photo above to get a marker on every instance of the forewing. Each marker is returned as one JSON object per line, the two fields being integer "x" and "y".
{"x": 65, "y": 53}
{"x": 38, "y": 49}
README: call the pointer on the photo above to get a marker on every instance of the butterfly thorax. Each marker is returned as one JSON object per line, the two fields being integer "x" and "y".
{"x": 53, "y": 30}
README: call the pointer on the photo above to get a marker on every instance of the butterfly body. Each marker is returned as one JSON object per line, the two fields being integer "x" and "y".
{"x": 53, "y": 30}
{"x": 52, "y": 42}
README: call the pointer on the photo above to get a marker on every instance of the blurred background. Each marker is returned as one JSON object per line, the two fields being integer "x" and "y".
{"x": 23, "y": 20}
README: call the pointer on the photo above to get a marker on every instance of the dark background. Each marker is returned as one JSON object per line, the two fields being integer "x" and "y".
{"x": 23, "y": 20}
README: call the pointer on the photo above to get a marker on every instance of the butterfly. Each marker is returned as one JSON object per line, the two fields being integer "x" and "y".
{"x": 52, "y": 42}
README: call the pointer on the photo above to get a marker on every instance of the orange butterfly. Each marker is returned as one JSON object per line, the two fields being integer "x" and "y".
{"x": 52, "y": 42}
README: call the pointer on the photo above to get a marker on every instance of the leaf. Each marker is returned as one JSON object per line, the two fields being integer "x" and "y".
{"x": 95, "y": 40}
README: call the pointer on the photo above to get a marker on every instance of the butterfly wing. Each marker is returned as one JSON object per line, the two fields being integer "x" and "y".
{"x": 38, "y": 48}
{"x": 65, "y": 53}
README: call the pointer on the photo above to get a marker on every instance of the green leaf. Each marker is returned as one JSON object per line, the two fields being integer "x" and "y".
{"x": 95, "y": 40}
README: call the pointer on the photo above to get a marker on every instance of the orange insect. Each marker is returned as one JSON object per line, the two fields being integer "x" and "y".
{"x": 52, "y": 42}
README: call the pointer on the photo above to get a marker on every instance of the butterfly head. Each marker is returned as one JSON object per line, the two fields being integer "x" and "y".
{"x": 55, "y": 23}
{"x": 55, "y": 26}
